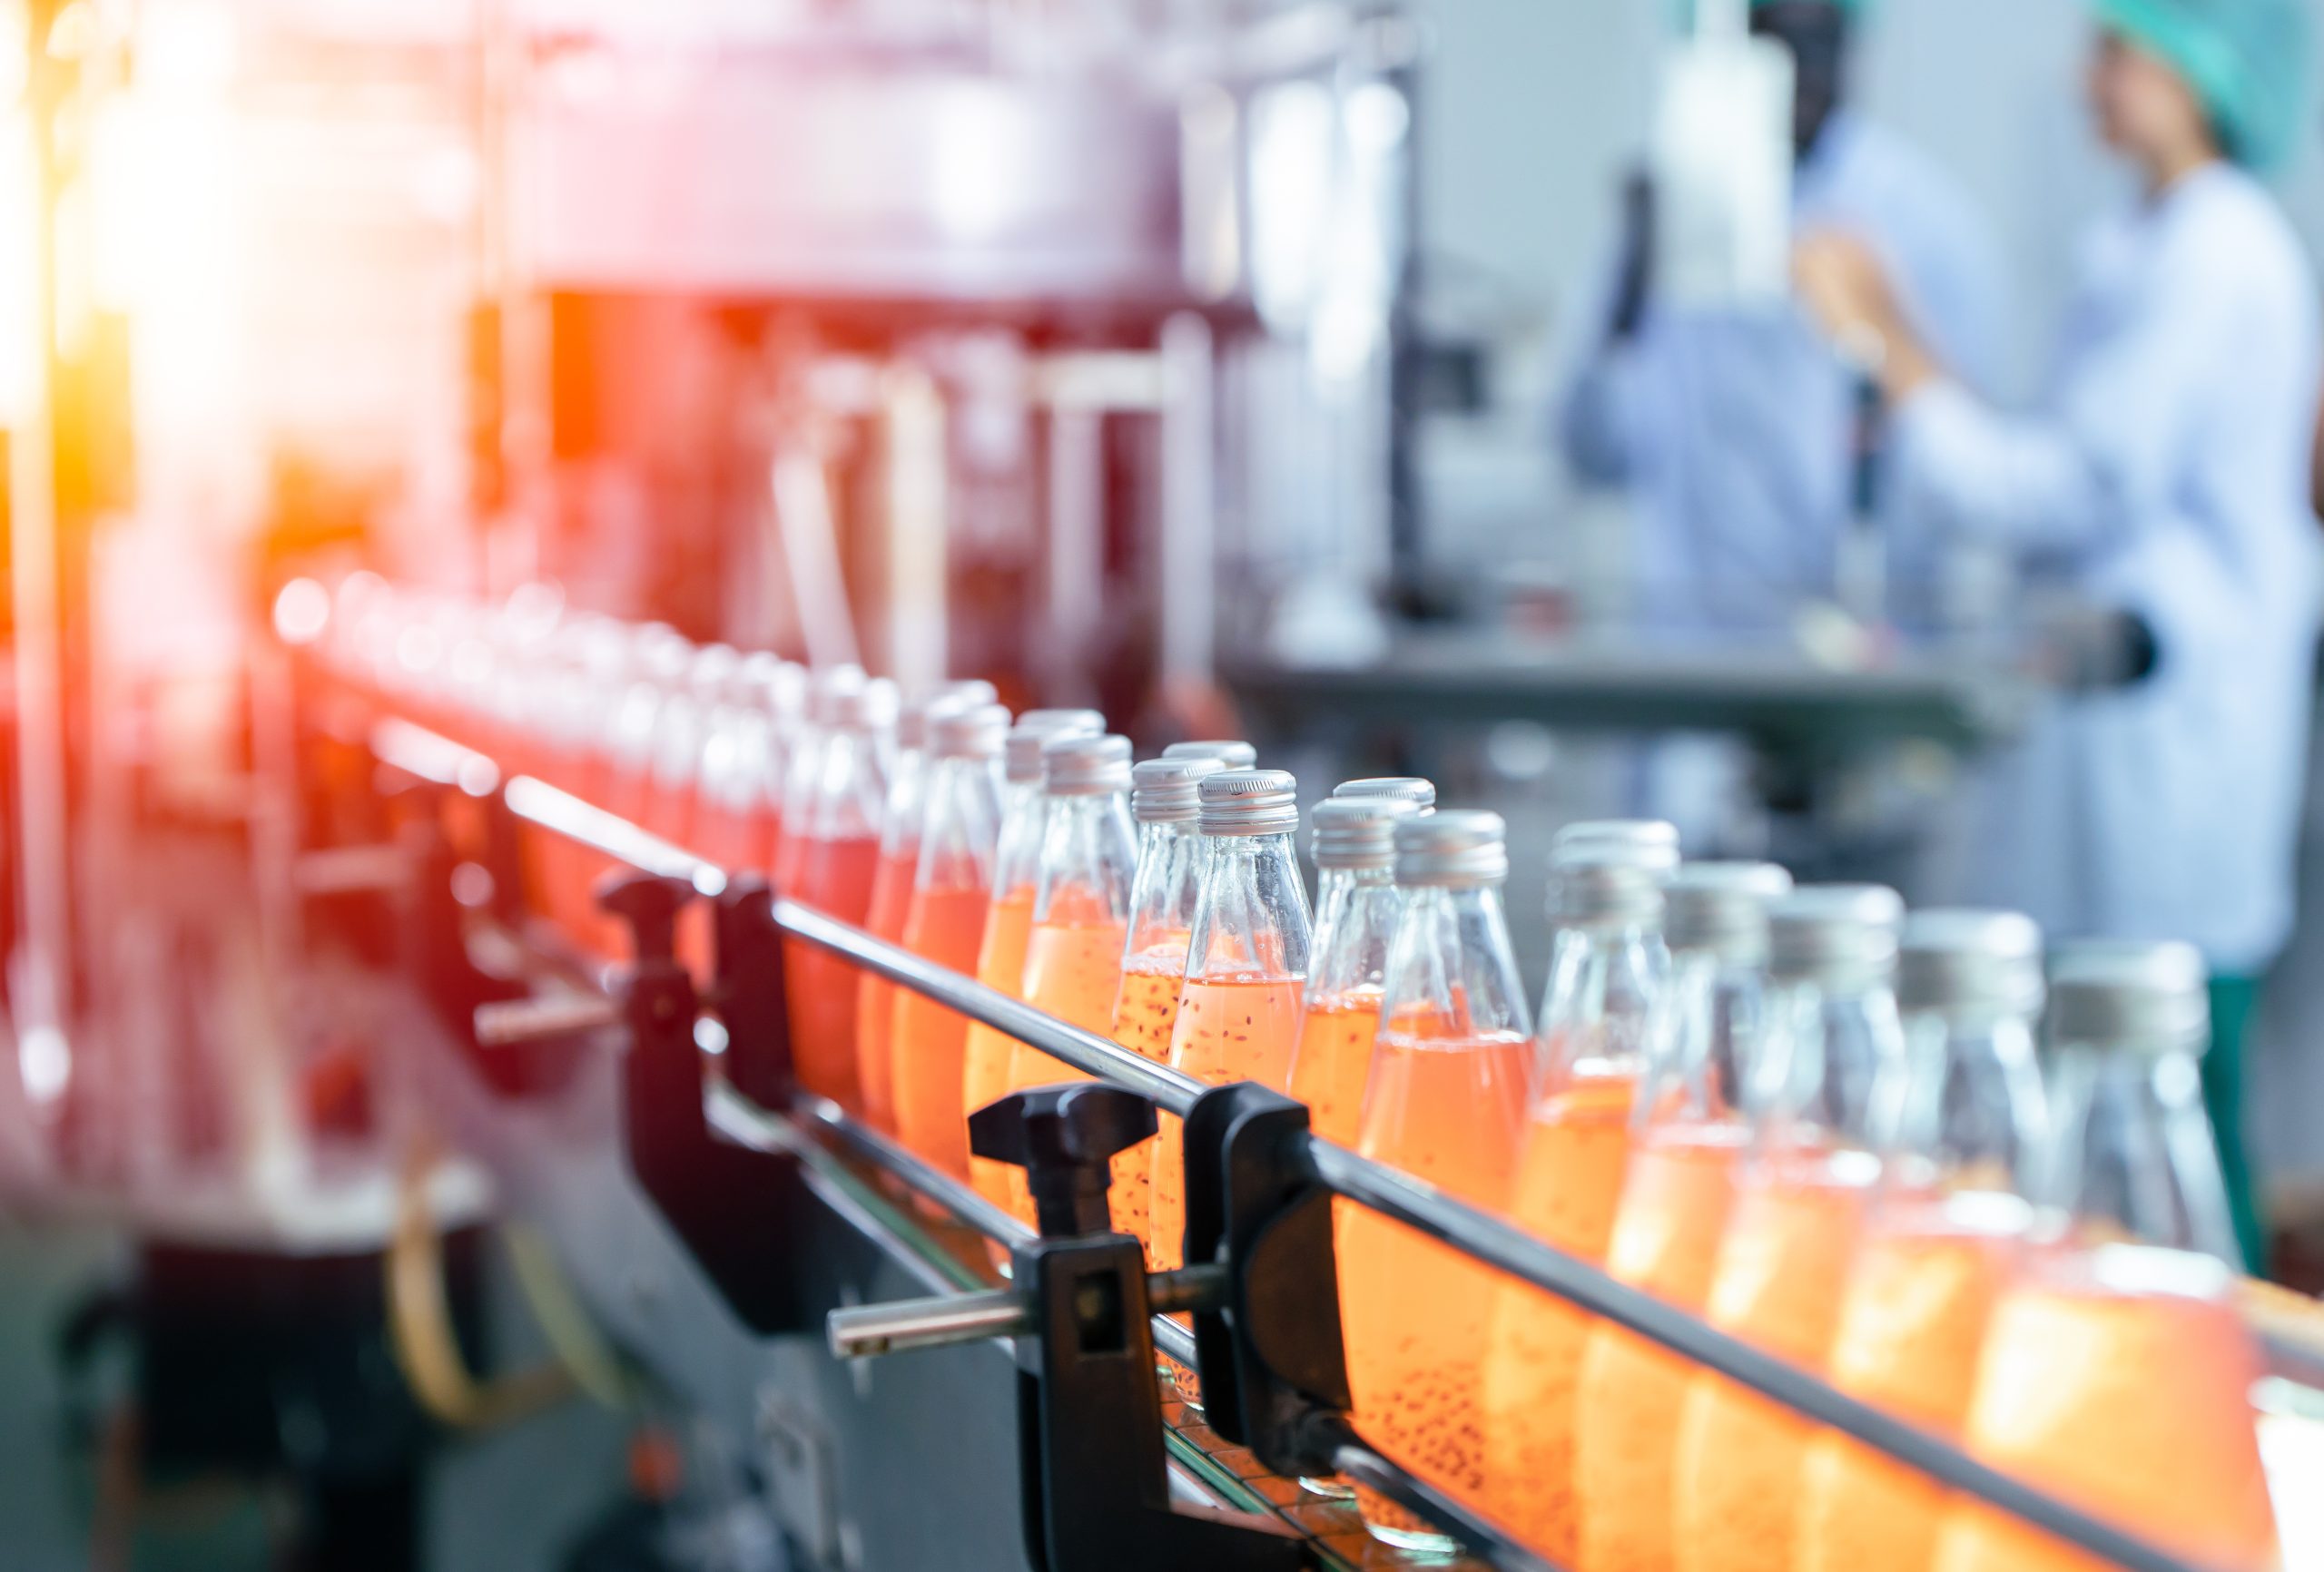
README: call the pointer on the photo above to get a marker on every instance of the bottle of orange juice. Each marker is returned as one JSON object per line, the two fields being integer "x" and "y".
{"x": 679, "y": 728}
{"x": 891, "y": 884}
{"x": 1828, "y": 1080}
{"x": 734, "y": 812}
{"x": 944, "y": 922}
{"x": 1447, "y": 1104}
{"x": 1008, "y": 922}
{"x": 1166, "y": 801}
{"x": 1081, "y": 905}
{"x": 1246, "y": 966}
{"x": 802, "y": 766}
{"x": 1687, "y": 1134}
{"x": 1600, "y": 1018}
{"x": 838, "y": 853}
{"x": 2118, "y": 1375}
{"x": 1357, "y": 903}
{"x": 1945, "y": 1233}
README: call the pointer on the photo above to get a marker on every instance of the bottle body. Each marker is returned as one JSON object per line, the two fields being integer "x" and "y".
{"x": 837, "y": 857}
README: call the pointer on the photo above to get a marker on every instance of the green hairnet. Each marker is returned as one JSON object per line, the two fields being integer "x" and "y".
{"x": 2247, "y": 60}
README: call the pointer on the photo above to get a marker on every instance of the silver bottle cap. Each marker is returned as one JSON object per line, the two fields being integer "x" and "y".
{"x": 1233, "y": 755}
{"x": 1412, "y": 788}
{"x": 1456, "y": 849}
{"x": 870, "y": 706}
{"x": 2146, "y": 998}
{"x": 1722, "y": 908}
{"x": 1035, "y": 727}
{"x": 1593, "y": 884}
{"x": 1249, "y": 802}
{"x": 1648, "y": 843}
{"x": 974, "y": 731}
{"x": 1079, "y": 765}
{"x": 1169, "y": 791}
{"x": 1358, "y": 833}
{"x": 1841, "y": 936}
{"x": 1975, "y": 964}
{"x": 913, "y": 720}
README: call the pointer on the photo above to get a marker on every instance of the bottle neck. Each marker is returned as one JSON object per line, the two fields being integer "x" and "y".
{"x": 1973, "y": 1113}
{"x": 959, "y": 825}
{"x": 1251, "y": 920}
{"x": 900, "y": 821}
{"x": 1017, "y": 867}
{"x": 1088, "y": 860}
{"x": 1451, "y": 973}
{"x": 1167, "y": 889}
{"x": 851, "y": 789}
{"x": 1830, "y": 1070}
{"x": 1607, "y": 985}
{"x": 1356, "y": 910}
{"x": 2133, "y": 1152}
{"x": 1699, "y": 1057}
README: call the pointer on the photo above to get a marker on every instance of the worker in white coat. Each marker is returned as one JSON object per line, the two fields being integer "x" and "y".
{"x": 2165, "y": 475}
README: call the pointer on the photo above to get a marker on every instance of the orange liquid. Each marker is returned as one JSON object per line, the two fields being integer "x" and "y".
{"x": 1448, "y": 1110}
{"x": 1628, "y": 1399}
{"x": 1569, "y": 1186}
{"x": 1073, "y": 971}
{"x": 875, "y": 994}
{"x": 930, "y": 1040}
{"x": 1333, "y": 1063}
{"x": 2134, "y": 1406}
{"x": 1911, "y": 1330}
{"x": 1144, "y": 1012}
{"x": 989, "y": 1056}
{"x": 1783, "y": 1269}
{"x": 835, "y": 876}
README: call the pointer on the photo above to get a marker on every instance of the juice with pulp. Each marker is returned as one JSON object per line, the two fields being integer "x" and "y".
{"x": 875, "y": 994}
{"x": 834, "y": 876}
{"x": 1783, "y": 1268}
{"x": 1333, "y": 1063}
{"x": 1629, "y": 1394}
{"x": 1568, "y": 1185}
{"x": 1446, "y": 1109}
{"x": 1144, "y": 1012}
{"x": 990, "y": 1055}
{"x": 1911, "y": 1330}
{"x": 930, "y": 1040}
{"x": 2132, "y": 1403}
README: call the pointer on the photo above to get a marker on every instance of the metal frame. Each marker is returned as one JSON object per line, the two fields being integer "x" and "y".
{"x": 1475, "y": 1232}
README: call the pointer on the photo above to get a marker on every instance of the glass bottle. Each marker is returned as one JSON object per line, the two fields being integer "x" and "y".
{"x": 679, "y": 728}
{"x": 1357, "y": 903}
{"x": 837, "y": 850}
{"x": 802, "y": 766}
{"x": 1447, "y": 1104}
{"x": 1082, "y": 907}
{"x": 952, "y": 894}
{"x": 1166, "y": 801}
{"x": 1945, "y": 1232}
{"x": 1688, "y": 1132}
{"x": 1826, "y": 1093}
{"x": 1008, "y": 921}
{"x": 2117, "y": 1374}
{"x": 1246, "y": 965}
{"x": 1231, "y": 755}
{"x": 740, "y": 766}
{"x": 1609, "y": 985}
{"x": 626, "y": 741}
{"x": 892, "y": 882}
{"x": 1412, "y": 788}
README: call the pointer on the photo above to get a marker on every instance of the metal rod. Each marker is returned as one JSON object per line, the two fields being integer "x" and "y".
{"x": 923, "y": 1178}
{"x": 1498, "y": 1244}
{"x": 617, "y": 837}
{"x": 508, "y": 1024}
{"x": 865, "y": 1331}
{"x": 1085, "y": 1051}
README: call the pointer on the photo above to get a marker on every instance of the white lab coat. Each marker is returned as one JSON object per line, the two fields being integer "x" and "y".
{"x": 2168, "y": 473}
